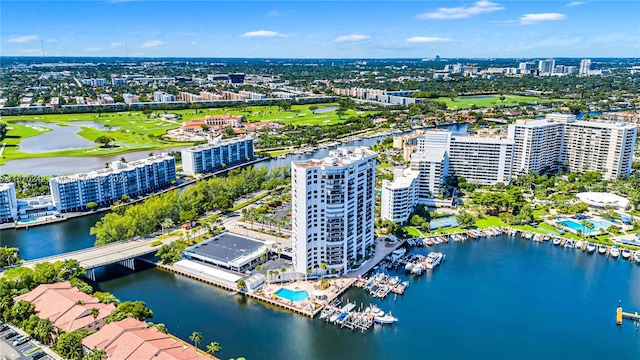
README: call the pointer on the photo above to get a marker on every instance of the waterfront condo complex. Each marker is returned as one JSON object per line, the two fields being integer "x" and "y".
{"x": 105, "y": 186}
{"x": 8, "y": 203}
{"x": 557, "y": 142}
{"x": 216, "y": 155}
{"x": 562, "y": 141}
{"x": 333, "y": 209}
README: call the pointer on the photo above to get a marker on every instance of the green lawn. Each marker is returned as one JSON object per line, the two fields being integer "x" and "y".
{"x": 131, "y": 129}
{"x": 297, "y": 115}
{"x": 465, "y": 102}
{"x": 277, "y": 152}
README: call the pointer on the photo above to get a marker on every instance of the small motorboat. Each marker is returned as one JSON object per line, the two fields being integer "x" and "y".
{"x": 636, "y": 256}
{"x": 557, "y": 241}
{"x": 602, "y": 249}
{"x": 614, "y": 252}
{"x": 626, "y": 254}
{"x": 591, "y": 247}
{"x": 569, "y": 244}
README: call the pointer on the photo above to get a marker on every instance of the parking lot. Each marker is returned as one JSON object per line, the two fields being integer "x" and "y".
{"x": 22, "y": 352}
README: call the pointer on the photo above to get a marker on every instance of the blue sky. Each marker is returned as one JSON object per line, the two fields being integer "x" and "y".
{"x": 321, "y": 29}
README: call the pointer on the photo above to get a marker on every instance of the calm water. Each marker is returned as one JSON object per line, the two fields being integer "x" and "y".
{"x": 498, "y": 298}
{"x": 59, "y": 138}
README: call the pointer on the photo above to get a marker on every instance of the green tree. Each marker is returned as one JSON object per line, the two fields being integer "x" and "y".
{"x": 340, "y": 112}
{"x": 241, "y": 284}
{"x": 213, "y": 348}
{"x": 92, "y": 205}
{"x": 147, "y": 112}
{"x": 196, "y": 337}
{"x": 104, "y": 140}
{"x": 161, "y": 327}
{"x": 465, "y": 220}
{"x": 3, "y": 130}
{"x": 130, "y": 309}
{"x": 95, "y": 354}
{"x": 8, "y": 256}
{"x": 69, "y": 344}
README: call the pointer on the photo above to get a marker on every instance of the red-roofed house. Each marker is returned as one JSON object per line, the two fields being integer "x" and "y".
{"x": 66, "y": 307}
{"x": 133, "y": 339}
{"x": 212, "y": 121}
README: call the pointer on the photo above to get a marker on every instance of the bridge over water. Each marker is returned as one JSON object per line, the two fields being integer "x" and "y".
{"x": 121, "y": 252}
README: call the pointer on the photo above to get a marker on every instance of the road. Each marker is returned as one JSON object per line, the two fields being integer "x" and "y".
{"x": 24, "y": 351}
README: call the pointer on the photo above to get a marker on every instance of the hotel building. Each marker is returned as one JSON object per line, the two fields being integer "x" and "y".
{"x": 333, "y": 209}
{"x": 105, "y": 186}
{"x": 216, "y": 155}
{"x": 8, "y": 203}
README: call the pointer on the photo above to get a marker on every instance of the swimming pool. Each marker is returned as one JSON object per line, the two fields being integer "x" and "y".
{"x": 597, "y": 225}
{"x": 292, "y": 295}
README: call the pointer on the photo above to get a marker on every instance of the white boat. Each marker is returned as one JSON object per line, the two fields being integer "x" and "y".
{"x": 636, "y": 256}
{"x": 579, "y": 244}
{"x": 569, "y": 244}
{"x": 626, "y": 254}
{"x": 602, "y": 249}
{"x": 283, "y": 156}
{"x": 418, "y": 269}
{"x": 557, "y": 241}
{"x": 374, "y": 310}
{"x": 334, "y": 317}
{"x": 326, "y": 313}
{"x": 591, "y": 247}
{"x": 434, "y": 259}
{"x": 398, "y": 253}
{"x": 408, "y": 267}
{"x": 614, "y": 252}
{"x": 385, "y": 319}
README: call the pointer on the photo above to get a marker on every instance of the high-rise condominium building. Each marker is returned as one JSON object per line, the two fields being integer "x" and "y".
{"x": 585, "y": 67}
{"x": 333, "y": 209}
{"x": 8, "y": 203}
{"x": 105, "y": 186}
{"x": 216, "y": 155}
{"x": 546, "y": 66}
{"x": 561, "y": 141}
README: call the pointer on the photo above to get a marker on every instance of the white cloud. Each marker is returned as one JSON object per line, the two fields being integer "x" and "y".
{"x": 262, "y": 34}
{"x": 461, "y": 12}
{"x": 529, "y": 19}
{"x": 21, "y": 39}
{"x": 116, "y": 44}
{"x": 502, "y": 21}
{"x": 426, "y": 39}
{"x": 93, "y": 49}
{"x": 351, "y": 38}
{"x": 576, "y": 3}
{"x": 280, "y": 13}
{"x": 151, "y": 43}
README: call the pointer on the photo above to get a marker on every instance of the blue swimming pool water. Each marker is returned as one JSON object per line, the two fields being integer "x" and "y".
{"x": 597, "y": 225}
{"x": 292, "y": 295}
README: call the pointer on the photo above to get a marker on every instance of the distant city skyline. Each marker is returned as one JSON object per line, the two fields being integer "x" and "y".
{"x": 309, "y": 29}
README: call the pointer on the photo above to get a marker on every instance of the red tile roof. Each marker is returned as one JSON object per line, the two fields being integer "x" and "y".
{"x": 133, "y": 339}
{"x": 68, "y": 308}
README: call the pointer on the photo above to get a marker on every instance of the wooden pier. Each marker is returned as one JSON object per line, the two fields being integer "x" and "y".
{"x": 621, "y": 315}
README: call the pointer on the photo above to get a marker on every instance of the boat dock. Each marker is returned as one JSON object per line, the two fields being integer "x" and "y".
{"x": 621, "y": 315}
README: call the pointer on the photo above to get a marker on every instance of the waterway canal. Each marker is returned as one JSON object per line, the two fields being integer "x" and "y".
{"x": 498, "y": 298}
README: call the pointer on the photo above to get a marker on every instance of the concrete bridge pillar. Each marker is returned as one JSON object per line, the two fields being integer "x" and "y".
{"x": 90, "y": 274}
{"x": 128, "y": 263}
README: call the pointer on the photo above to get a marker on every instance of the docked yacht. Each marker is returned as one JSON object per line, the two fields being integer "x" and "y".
{"x": 579, "y": 244}
{"x": 591, "y": 247}
{"x": 385, "y": 319}
{"x": 433, "y": 260}
{"x": 418, "y": 269}
{"x": 374, "y": 310}
{"x": 557, "y": 241}
{"x": 569, "y": 244}
{"x": 626, "y": 254}
{"x": 615, "y": 251}
{"x": 398, "y": 253}
{"x": 636, "y": 256}
{"x": 602, "y": 249}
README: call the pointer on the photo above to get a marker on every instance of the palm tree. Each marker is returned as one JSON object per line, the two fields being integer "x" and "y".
{"x": 95, "y": 313}
{"x": 196, "y": 337}
{"x": 584, "y": 224}
{"x": 213, "y": 348}
{"x": 590, "y": 226}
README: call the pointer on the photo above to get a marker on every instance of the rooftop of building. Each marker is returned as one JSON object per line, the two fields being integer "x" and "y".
{"x": 430, "y": 155}
{"x": 226, "y": 248}
{"x": 134, "y": 339}
{"x": 7, "y": 186}
{"x": 481, "y": 139}
{"x": 403, "y": 181}
{"x": 555, "y": 118}
{"x": 115, "y": 167}
{"x": 341, "y": 156}
{"x": 65, "y": 306}
{"x": 217, "y": 142}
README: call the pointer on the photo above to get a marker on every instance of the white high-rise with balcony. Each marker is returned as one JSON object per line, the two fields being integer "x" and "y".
{"x": 333, "y": 209}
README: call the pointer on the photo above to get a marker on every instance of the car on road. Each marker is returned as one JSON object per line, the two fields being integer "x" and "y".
{"x": 38, "y": 355}
{"x": 10, "y": 335}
